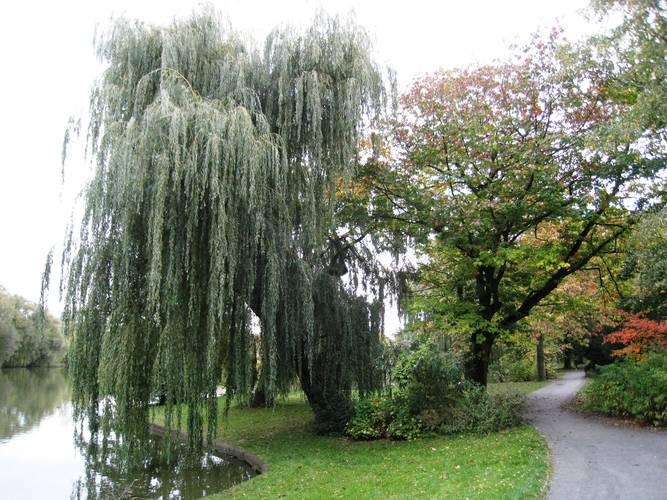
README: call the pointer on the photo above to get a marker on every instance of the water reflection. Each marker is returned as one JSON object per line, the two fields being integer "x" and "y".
{"x": 43, "y": 456}
{"x": 27, "y": 396}
{"x": 164, "y": 473}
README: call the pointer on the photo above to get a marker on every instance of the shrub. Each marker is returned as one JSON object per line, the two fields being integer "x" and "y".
{"x": 638, "y": 335}
{"x": 631, "y": 389}
{"x": 431, "y": 396}
{"x": 370, "y": 419}
{"x": 383, "y": 417}
{"x": 479, "y": 412}
{"x": 404, "y": 424}
{"x": 427, "y": 384}
{"x": 428, "y": 379}
{"x": 512, "y": 368}
{"x": 522, "y": 371}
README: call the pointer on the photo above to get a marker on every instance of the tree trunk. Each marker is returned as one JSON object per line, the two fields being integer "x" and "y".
{"x": 567, "y": 360}
{"x": 541, "y": 368}
{"x": 259, "y": 397}
{"x": 325, "y": 379}
{"x": 477, "y": 360}
{"x": 330, "y": 400}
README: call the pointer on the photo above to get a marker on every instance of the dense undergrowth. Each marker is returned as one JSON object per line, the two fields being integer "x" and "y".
{"x": 630, "y": 389}
{"x": 430, "y": 395}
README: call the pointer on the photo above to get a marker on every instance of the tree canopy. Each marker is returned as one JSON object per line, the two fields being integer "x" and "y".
{"x": 644, "y": 270}
{"x": 513, "y": 177}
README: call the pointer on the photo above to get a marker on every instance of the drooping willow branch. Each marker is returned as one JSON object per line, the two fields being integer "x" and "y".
{"x": 213, "y": 190}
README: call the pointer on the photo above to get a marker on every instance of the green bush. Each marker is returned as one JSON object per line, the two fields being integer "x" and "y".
{"x": 513, "y": 367}
{"x": 631, "y": 389}
{"x": 404, "y": 425}
{"x": 479, "y": 412}
{"x": 370, "y": 419}
{"x": 430, "y": 395}
{"x": 383, "y": 417}
{"x": 522, "y": 371}
{"x": 428, "y": 379}
{"x": 427, "y": 383}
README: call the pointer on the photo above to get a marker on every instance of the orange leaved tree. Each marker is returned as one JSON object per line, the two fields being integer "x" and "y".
{"x": 638, "y": 334}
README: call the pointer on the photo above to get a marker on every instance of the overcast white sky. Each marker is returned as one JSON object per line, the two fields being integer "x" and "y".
{"x": 48, "y": 67}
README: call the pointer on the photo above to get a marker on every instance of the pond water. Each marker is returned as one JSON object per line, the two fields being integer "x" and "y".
{"x": 41, "y": 457}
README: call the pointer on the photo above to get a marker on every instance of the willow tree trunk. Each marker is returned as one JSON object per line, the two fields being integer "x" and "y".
{"x": 478, "y": 357}
{"x": 325, "y": 374}
{"x": 326, "y": 388}
{"x": 259, "y": 398}
{"x": 330, "y": 401}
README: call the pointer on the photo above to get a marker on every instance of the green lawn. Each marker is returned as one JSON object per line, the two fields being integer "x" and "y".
{"x": 509, "y": 464}
{"x": 521, "y": 387}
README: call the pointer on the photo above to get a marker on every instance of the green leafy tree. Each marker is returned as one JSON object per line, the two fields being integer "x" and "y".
{"x": 29, "y": 336}
{"x": 8, "y": 333}
{"x": 645, "y": 268}
{"x": 216, "y": 167}
{"x": 512, "y": 178}
{"x": 636, "y": 49}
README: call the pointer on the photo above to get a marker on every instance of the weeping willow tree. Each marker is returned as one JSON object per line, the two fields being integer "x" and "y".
{"x": 212, "y": 199}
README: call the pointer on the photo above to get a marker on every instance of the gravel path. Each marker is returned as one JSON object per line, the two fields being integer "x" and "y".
{"x": 593, "y": 458}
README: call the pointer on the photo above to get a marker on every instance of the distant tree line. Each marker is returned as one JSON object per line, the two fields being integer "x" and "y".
{"x": 29, "y": 336}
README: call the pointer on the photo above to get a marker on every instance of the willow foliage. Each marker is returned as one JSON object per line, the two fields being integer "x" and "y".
{"x": 215, "y": 172}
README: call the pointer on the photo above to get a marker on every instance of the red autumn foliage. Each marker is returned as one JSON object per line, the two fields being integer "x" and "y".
{"x": 638, "y": 334}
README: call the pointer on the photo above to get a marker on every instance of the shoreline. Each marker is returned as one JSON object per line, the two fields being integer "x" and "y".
{"x": 254, "y": 461}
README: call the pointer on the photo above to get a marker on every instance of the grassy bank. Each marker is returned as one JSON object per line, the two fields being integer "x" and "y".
{"x": 508, "y": 464}
{"x": 520, "y": 387}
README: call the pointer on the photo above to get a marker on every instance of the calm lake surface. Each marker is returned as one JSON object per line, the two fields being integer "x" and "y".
{"x": 41, "y": 459}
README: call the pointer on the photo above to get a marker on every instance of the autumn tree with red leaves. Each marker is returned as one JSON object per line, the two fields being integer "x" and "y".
{"x": 638, "y": 334}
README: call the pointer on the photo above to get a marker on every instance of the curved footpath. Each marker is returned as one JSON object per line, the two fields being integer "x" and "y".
{"x": 593, "y": 458}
